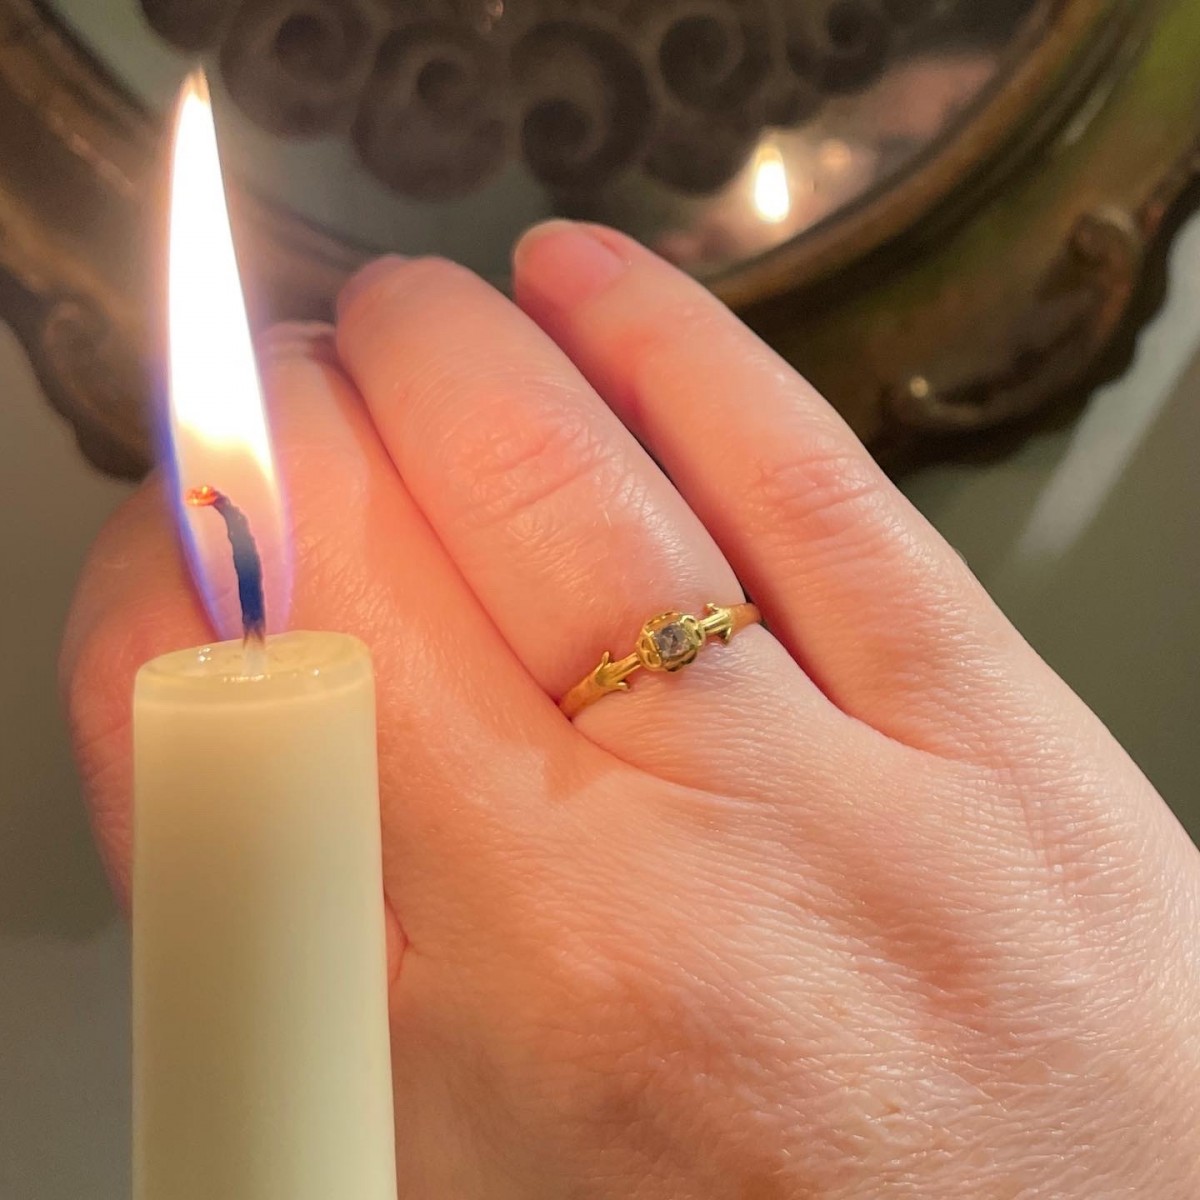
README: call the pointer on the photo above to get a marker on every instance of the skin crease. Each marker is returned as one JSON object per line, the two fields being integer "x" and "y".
{"x": 868, "y": 905}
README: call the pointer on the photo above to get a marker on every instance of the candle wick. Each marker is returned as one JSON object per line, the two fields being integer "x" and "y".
{"x": 254, "y": 656}
{"x": 247, "y": 565}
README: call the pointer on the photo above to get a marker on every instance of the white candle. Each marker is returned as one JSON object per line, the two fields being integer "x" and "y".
{"x": 261, "y": 1055}
{"x": 261, "y": 1060}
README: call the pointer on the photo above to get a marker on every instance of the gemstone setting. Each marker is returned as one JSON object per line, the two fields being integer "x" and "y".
{"x": 670, "y": 641}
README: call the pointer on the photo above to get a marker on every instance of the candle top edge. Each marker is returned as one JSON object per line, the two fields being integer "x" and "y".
{"x": 297, "y": 662}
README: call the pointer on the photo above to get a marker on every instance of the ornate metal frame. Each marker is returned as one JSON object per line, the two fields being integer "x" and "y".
{"x": 997, "y": 285}
{"x": 976, "y": 294}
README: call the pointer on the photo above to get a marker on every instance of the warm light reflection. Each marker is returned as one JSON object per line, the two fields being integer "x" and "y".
{"x": 218, "y": 426}
{"x": 835, "y": 156}
{"x": 772, "y": 199}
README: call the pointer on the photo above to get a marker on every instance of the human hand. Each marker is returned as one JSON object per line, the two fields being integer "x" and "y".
{"x": 868, "y": 905}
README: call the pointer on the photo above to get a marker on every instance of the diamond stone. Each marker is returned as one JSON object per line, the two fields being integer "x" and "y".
{"x": 672, "y": 642}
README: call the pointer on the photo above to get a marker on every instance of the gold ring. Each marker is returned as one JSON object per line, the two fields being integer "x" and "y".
{"x": 667, "y": 642}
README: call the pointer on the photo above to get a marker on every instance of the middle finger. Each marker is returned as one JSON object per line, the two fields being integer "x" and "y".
{"x": 565, "y": 528}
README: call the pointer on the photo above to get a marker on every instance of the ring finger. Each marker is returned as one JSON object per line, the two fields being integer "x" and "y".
{"x": 866, "y": 595}
{"x": 567, "y": 531}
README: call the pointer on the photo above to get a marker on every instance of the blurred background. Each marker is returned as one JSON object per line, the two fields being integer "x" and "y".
{"x": 968, "y": 223}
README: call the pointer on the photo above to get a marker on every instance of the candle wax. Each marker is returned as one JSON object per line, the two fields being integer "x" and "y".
{"x": 261, "y": 1054}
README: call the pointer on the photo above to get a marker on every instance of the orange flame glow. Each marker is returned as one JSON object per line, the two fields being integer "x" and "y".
{"x": 202, "y": 496}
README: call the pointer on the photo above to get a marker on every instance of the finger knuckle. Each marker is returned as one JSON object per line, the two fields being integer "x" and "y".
{"x": 510, "y": 465}
{"x": 821, "y": 493}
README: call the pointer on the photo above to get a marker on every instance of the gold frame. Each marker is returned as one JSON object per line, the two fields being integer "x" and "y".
{"x": 1012, "y": 274}
{"x": 80, "y": 223}
{"x": 978, "y": 292}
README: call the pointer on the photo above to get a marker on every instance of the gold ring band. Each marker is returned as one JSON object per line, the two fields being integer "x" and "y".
{"x": 667, "y": 642}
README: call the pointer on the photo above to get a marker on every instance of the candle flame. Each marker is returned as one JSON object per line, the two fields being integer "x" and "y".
{"x": 772, "y": 196}
{"x": 218, "y": 424}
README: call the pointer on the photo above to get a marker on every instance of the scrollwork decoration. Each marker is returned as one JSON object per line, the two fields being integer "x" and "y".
{"x": 433, "y": 122}
{"x": 89, "y": 370}
{"x": 299, "y": 69}
{"x": 438, "y": 95}
{"x": 586, "y": 110}
{"x": 1073, "y": 316}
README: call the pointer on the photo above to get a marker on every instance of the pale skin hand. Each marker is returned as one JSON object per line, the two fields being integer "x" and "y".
{"x": 866, "y": 906}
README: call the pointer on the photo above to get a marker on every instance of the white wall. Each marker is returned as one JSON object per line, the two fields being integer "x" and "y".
{"x": 1088, "y": 538}
{"x": 64, "y": 1040}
